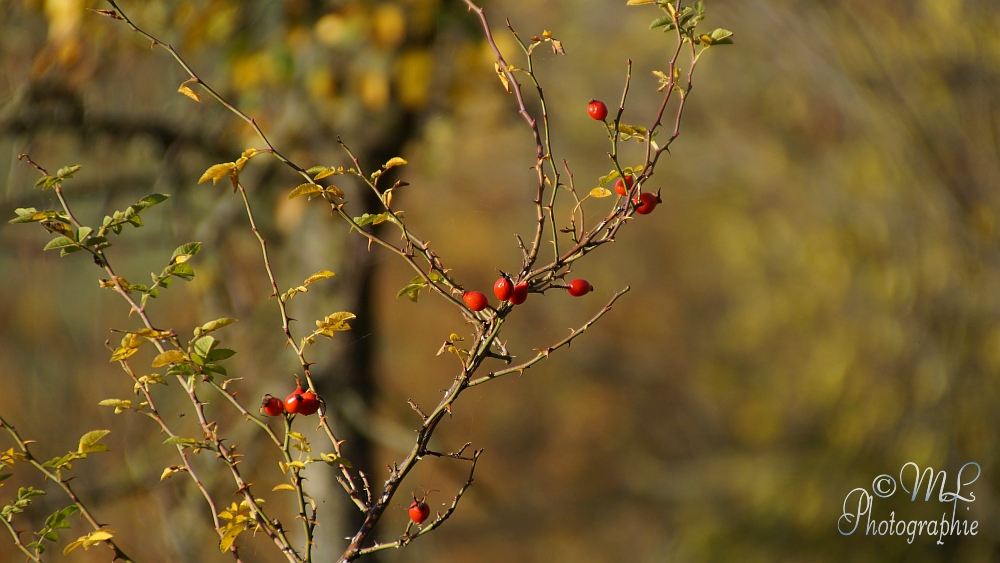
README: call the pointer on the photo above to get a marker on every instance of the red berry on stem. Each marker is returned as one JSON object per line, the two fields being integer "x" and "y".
{"x": 308, "y": 403}
{"x": 475, "y": 300}
{"x": 503, "y": 289}
{"x": 620, "y": 188}
{"x": 294, "y": 401}
{"x": 272, "y": 406}
{"x": 520, "y": 293}
{"x": 578, "y": 288}
{"x": 597, "y": 110}
{"x": 646, "y": 203}
{"x": 419, "y": 511}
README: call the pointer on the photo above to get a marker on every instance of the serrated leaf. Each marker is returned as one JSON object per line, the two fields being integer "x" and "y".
{"x": 68, "y": 171}
{"x": 219, "y": 354}
{"x": 89, "y": 442}
{"x": 168, "y": 357}
{"x": 149, "y": 201}
{"x": 214, "y": 325}
{"x": 59, "y": 242}
{"x": 184, "y": 252}
{"x": 319, "y": 276}
{"x": 721, "y": 37}
{"x": 217, "y": 172}
{"x": 600, "y": 193}
{"x": 325, "y": 173}
{"x": 305, "y": 189}
{"x": 179, "y": 441}
{"x": 394, "y": 162}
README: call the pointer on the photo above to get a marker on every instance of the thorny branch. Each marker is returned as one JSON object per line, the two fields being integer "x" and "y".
{"x": 487, "y": 324}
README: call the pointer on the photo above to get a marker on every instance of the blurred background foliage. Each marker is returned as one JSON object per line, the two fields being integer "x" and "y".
{"x": 817, "y": 301}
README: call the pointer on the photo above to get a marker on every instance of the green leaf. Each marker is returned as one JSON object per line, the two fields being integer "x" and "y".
{"x": 184, "y": 252}
{"x": 372, "y": 219}
{"x": 315, "y": 170}
{"x": 721, "y": 37}
{"x": 605, "y": 179}
{"x": 305, "y": 189}
{"x": 660, "y": 22}
{"x": 213, "y": 325}
{"x": 178, "y": 441}
{"x": 68, "y": 171}
{"x": 183, "y": 271}
{"x": 204, "y": 346}
{"x": 59, "y": 242}
{"x": 412, "y": 291}
{"x": 150, "y": 201}
{"x": 89, "y": 442}
{"x": 219, "y": 354}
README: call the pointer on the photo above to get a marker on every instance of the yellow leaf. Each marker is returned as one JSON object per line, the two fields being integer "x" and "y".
{"x": 324, "y": 174}
{"x": 72, "y": 546}
{"x": 217, "y": 172}
{"x": 283, "y": 487}
{"x": 122, "y": 353}
{"x": 454, "y": 337}
{"x": 229, "y": 536}
{"x": 394, "y": 161}
{"x": 119, "y": 404}
{"x": 305, "y": 189}
{"x": 90, "y": 539}
{"x": 503, "y": 77}
{"x": 171, "y": 470}
{"x": 319, "y": 276}
{"x": 189, "y": 93}
{"x": 168, "y": 357}
{"x": 638, "y": 2}
{"x": 600, "y": 192}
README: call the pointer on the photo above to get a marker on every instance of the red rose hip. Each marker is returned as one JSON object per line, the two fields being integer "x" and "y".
{"x": 520, "y": 293}
{"x": 503, "y": 289}
{"x": 620, "y": 186}
{"x": 419, "y": 511}
{"x": 597, "y": 110}
{"x": 308, "y": 403}
{"x": 579, "y": 288}
{"x": 272, "y": 406}
{"x": 475, "y": 300}
{"x": 646, "y": 203}
{"x": 294, "y": 401}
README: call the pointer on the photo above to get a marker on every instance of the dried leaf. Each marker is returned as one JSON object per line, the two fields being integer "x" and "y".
{"x": 189, "y": 93}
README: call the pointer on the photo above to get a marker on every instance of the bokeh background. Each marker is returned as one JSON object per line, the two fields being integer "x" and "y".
{"x": 817, "y": 301}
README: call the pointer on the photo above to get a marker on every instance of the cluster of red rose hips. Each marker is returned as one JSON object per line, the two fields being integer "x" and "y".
{"x": 505, "y": 290}
{"x": 299, "y": 402}
{"x": 645, "y": 202}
